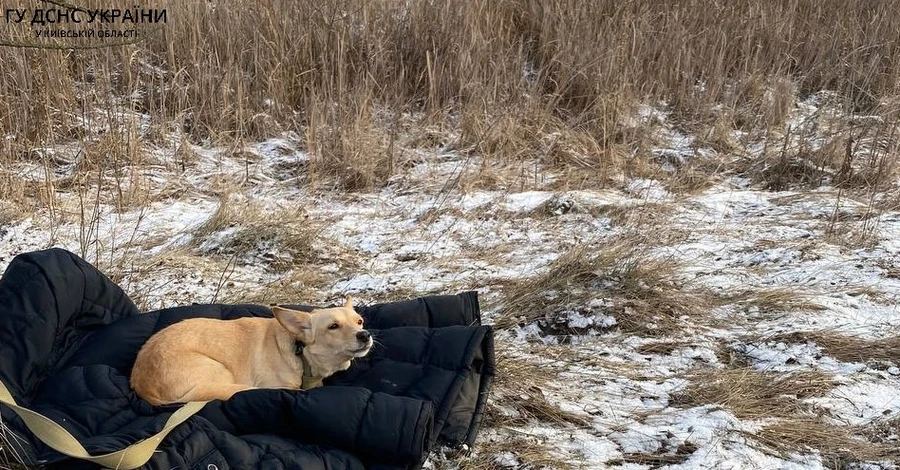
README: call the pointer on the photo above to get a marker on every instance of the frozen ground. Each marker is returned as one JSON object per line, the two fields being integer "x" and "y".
{"x": 776, "y": 263}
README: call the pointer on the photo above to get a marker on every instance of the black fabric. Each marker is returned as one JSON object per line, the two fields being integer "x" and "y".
{"x": 69, "y": 336}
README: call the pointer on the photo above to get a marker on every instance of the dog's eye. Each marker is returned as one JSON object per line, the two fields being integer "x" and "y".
{"x": 333, "y": 326}
{"x": 359, "y": 322}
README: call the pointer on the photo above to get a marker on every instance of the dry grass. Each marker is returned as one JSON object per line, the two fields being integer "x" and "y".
{"x": 827, "y": 149}
{"x": 890, "y": 268}
{"x": 663, "y": 347}
{"x": 848, "y": 348}
{"x": 528, "y": 86}
{"x": 693, "y": 179}
{"x": 837, "y": 445}
{"x": 680, "y": 455}
{"x": 636, "y": 215}
{"x": 644, "y": 296}
{"x": 518, "y": 397}
{"x": 12, "y": 188}
{"x": 883, "y": 431}
{"x": 167, "y": 277}
{"x": 281, "y": 237}
{"x": 755, "y": 395}
{"x": 9, "y": 213}
{"x": 350, "y": 145}
{"x": 10, "y": 459}
{"x": 300, "y": 287}
{"x": 751, "y": 394}
{"x": 772, "y": 300}
{"x": 529, "y": 452}
{"x": 856, "y": 229}
{"x": 518, "y": 81}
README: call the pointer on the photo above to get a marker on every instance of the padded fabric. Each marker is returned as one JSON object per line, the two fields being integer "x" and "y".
{"x": 69, "y": 336}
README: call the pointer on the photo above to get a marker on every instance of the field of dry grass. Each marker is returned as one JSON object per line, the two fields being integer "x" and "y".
{"x": 689, "y": 210}
{"x": 522, "y": 84}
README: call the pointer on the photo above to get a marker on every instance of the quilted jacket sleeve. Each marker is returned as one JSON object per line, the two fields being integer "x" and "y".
{"x": 51, "y": 300}
{"x": 430, "y": 312}
{"x": 451, "y": 367}
{"x": 376, "y": 427}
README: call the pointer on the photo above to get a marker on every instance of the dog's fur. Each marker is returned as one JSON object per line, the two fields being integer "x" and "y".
{"x": 205, "y": 359}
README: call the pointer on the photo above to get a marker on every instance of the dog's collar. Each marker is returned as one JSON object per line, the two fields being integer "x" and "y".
{"x": 308, "y": 380}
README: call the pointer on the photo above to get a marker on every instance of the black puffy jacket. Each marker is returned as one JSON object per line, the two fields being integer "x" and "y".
{"x": 69, "y": 336}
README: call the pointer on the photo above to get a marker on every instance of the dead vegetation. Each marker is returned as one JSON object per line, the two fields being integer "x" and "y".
{"x": 855, "y": 228}
{"x": 518, "y": 396}
{"x": 838, "y": 445}
{"x": 169, "y": 277}
{"x": 776, "y": 399}
{"x": 518, "y": 83}
{"x": 883, "y": 432}
{"x": 847, "y": 348}
{"x": 528, "y": 453}
{"x": 827, "y": 148}
{"x": 753, "y": 394}
{"x": 633, "y": 215}
{"x": 9, "y": 213}
{"x": 768, "y": 301}
{"x": 639, "y": 290}
{"x": 281, "y": 237}
{"x": 518, "y": 399}
{"x": 663, "y": 347}
{"x": 10, "y": 457}
{"x": 300, "y": 286}
{"x": 637, "y": 215}
{"x": 680, "y": 455}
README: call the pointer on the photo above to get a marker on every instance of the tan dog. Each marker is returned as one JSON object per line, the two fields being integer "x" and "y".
{"x": 205, "y": 359}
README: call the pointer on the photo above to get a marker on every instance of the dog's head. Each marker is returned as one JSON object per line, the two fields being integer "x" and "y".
{"x": 329, "y": 332}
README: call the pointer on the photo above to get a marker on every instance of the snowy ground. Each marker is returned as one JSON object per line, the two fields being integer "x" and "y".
{"x": 826, "y": 262}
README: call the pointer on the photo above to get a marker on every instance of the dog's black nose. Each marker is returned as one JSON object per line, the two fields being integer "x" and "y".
{"x": 363, "y": 336}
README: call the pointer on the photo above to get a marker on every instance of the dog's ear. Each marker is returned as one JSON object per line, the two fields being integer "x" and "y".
{"x": 295, "y": 321}
{"x": 349, "y": 302}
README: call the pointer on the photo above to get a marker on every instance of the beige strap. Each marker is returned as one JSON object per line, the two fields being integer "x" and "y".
{"x": 61, "y": 441}
{"x": 308, "y": 381}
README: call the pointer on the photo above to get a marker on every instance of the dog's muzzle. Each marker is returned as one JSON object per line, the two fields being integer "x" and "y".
{"x": 365, "y": 339}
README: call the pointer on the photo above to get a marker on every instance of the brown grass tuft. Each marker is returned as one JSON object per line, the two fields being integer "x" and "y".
{"x": 751, "y": 394}
{"x": 10, "y": 213}
{"x": 681, "y": 454}
{"x": 828, "y": 149}
{"x": 641, "y": 291}
{"x": 518, "y": 397}
{"x": 529, "y": 452}
{"x": 12, "y": 188}
{"x": 883, "y": 431}
{"x": 664, "y": 347}
{"x": 848, "y": 348}
{"x": 635, "y": 215}
{"x": 772, "y": 300}
{"x": 300, "y": 287}
{"x": 837, "y": 445}
{"x": 348, "y": 146}
{"x": 281, "y": 237}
